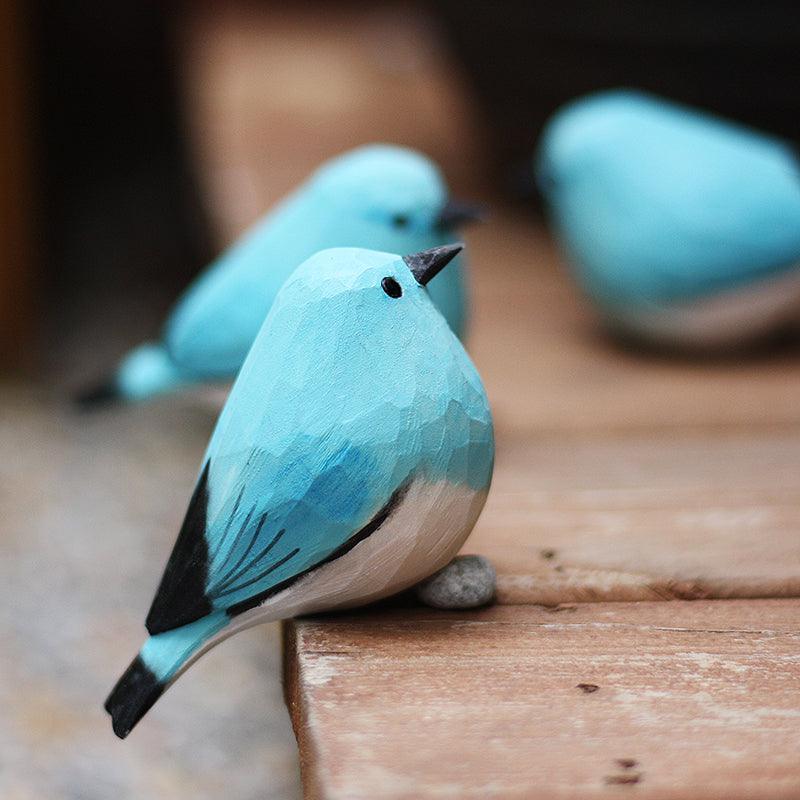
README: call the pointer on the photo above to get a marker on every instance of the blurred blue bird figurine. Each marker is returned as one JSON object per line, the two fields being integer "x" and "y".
{"x": 683, "y": 229}
{"x": 351, "y": 460}
{"x": 379, "y": 197}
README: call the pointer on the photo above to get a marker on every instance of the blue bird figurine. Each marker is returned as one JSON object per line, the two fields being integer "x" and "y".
{"x": 351, "y": 460}
{"x": 684, "y": 229}
{"x": 378, "y": 196}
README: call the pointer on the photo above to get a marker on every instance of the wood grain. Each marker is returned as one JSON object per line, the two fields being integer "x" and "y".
{"x": 693, "y": 700}
{"x": 641, "y": 476}
{"x": 644, "y": 516}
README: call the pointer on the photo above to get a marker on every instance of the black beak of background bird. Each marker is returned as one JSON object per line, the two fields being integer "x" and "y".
{"x": 429, "y": 263}
{"x": 457, "y": 213}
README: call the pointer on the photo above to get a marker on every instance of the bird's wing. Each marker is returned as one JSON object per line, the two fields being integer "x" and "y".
{"x": 251, "y": 550}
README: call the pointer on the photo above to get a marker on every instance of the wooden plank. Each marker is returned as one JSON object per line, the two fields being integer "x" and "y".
{"x": 693, "y": 700}
{"x": 548, "y": 368}
{"x": 646, "y": 516}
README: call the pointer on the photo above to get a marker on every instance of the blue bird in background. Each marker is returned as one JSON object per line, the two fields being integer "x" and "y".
{"x": 379, "y": 197}
{"x": 684, "y": 229}
{"x": 351, "y": 460}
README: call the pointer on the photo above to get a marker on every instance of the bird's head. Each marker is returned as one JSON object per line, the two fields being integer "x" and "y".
{"x": 356, "y": 301}
{"x": 593, "y": 135}
{"x": 396, "y": 194}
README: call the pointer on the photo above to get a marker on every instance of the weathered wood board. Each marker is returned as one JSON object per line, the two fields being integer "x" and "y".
{"x": 623, "y": 475}
{"x": 644, "y": 516}
{"x": 692, "y": 700}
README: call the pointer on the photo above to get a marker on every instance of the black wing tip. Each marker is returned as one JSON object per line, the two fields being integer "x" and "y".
{"x": 181, "y": 596}
{"x": 132, "y": 697}
{"x": 98, "y": 395}
{"x": 175, "y": 610}
{"x": 155, "y": 623}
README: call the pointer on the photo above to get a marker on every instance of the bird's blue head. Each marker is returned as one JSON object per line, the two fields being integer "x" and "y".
{"x": 592, "y": 132}
{"x": 397, "y": 193}
{"x": 365, "y": 320}
{"x": 378, "y": 301}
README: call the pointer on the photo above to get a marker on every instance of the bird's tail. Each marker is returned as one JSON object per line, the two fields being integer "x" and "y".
{"x": 160, "y": 661}
{"x": 143, "y": 373}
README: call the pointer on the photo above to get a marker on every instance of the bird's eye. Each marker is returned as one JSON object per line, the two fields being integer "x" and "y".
{"x": 391, "y": 287}
{"x": 400, "y": 220}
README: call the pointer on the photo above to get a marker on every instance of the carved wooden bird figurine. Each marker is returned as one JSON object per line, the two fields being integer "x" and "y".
{"x": 684, "y": 229}
{"x": 351, "y": 460}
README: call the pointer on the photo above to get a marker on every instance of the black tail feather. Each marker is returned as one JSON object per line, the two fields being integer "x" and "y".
{"x": 98, "y": 395}
{"x": 133, "y": 696}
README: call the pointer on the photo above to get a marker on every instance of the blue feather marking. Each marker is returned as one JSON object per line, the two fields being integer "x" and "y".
{"x": 231, "y": 575}
{"x": 165, "y": 652}
{"x": 364, "y": 533}
{"x": 288, "y": 538}
{"x": 235, "y": 574}
{"x": 259, "y": 576}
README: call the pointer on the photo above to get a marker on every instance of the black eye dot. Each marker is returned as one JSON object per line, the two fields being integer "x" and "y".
{"x": 391, "y": 287}
{"x": 400, "y": 220}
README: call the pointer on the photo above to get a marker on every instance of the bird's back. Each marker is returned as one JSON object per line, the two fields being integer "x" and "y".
{"x": 213, "y": 324}
{"x": 673, "y": 204}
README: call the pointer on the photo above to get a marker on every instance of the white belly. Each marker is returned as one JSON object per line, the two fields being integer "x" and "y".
{"x": 422, "y": 534}
{"x": 727, "y": 319}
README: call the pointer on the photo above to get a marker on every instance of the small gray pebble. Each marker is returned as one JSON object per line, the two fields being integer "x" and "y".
{"x": 466, "y": 582}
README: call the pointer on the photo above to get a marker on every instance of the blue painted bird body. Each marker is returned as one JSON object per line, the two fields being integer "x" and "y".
{"x": 342, "y": 445}
{"x": 351, "y": 460}
{"x": 381, "y": 197}
{"x": 661, "y": 207}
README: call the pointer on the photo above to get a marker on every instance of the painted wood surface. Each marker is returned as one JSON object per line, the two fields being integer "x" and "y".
{"x": 653, "y": 700}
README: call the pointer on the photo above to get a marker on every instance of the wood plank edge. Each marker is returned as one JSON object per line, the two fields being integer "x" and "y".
{"x": 297, "y": 705}
{"x": 576, "y": 585}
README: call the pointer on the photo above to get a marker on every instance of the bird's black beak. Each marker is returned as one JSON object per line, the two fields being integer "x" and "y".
{"x": 429, "y": 263}
{"x": 457, "y": 213}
